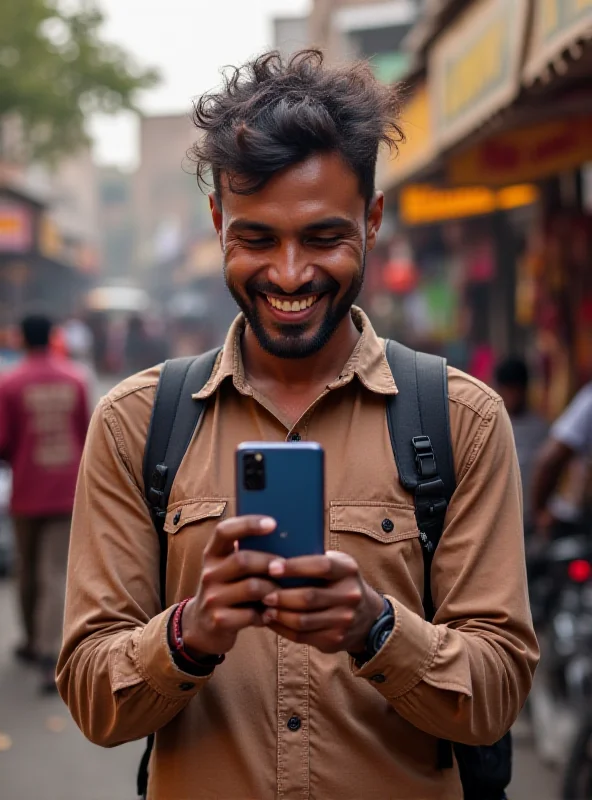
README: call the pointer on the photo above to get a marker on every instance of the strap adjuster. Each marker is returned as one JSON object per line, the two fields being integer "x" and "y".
{"x": 157, "y": 486}
{"x": 425, "y": 459}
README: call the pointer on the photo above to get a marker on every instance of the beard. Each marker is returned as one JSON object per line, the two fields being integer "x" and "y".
{"x": 292, "y": 340}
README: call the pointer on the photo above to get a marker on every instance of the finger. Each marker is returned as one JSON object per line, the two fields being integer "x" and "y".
{"x": 333, "y": 566}
{"x": 229, "y": 530}
{"x": 251, "y": 590}
{"x": 235, "y": 619}
{"x": 333, "y": 619}
{"x": 235, "y": 566}
{"x": 312, "y": 598}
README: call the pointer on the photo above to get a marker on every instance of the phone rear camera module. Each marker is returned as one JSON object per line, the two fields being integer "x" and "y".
{"x": 254, "y": 472}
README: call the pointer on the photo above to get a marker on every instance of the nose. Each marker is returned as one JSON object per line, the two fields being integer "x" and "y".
{"x": 290, "y": 268}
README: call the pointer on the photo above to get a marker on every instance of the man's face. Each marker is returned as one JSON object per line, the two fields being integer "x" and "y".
{"x": 294, "y": 252}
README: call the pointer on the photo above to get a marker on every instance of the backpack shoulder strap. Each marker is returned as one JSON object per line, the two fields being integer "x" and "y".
{"x": 175, "y": 417}
{"x": 419, "y": 427}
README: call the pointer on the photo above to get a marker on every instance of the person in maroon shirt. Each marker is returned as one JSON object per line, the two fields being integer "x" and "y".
{"x": 44, "y": 415}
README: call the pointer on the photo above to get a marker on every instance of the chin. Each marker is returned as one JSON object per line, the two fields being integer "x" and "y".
{"x": 294, "y": 345}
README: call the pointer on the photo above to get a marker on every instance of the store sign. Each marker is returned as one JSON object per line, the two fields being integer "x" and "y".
{"x": 475, "y": 66}
{"x": 16, "y": 228}
{"x": 528, "y": 154}
{"x": 418, "y": 147}
{"x": 557, "y": 24}
{"x": 422, "y": 204}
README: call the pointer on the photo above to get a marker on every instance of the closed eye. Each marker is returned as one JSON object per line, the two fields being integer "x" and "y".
{"x": 262, "y": 241}
{"x": 325, "y": 241}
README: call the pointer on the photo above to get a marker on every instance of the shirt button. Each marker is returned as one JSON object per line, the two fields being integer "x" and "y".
{"x": 186, "y": 687}
{"x": 378, "y": 678}
{"x": 295, "y": 437}
{"x": 294, "y": 723}
{"x": 388, "y": 525}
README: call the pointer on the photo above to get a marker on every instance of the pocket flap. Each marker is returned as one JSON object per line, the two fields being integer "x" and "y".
{"x": 385, "y": 522}
{"x": 182, "y": 514}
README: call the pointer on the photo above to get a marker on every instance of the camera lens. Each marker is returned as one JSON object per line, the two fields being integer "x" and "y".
{"x": 254, "y": 472}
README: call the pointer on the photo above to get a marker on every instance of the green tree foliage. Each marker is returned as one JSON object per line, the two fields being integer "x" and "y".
{"x": 55, "y": 69}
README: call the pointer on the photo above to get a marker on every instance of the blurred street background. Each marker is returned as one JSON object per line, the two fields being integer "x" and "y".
{"x": 485, "y": 254}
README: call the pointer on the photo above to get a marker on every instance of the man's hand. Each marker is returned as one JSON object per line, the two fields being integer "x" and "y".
{"x": 331, "y": 618}
{"x": 230, "y": 578}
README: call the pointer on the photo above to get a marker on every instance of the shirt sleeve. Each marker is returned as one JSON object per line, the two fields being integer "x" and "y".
{"x": 466, "y": 677}
{"x": 574, "y": 426}
{"x": 115, "y": 671}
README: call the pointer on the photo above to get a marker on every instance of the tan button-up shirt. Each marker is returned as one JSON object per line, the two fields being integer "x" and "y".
{"x": 463, "y": 678}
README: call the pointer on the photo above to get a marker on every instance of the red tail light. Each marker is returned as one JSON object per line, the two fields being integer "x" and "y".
{"x": 580, "y": 571}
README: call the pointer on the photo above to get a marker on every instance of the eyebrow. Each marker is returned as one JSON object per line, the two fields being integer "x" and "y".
{"x": 329, "y": 223}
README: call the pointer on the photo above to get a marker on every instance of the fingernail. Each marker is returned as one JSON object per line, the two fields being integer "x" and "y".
{"x": 267, "y": 524}
{"x": 271, "y": 600}
{"x": 277, "y": 567}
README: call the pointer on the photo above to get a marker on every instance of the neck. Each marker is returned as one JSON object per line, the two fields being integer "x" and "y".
{"x": 322, "y": 367}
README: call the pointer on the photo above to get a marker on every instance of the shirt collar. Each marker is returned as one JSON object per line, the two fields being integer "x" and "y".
{"x": 367, "y": 362}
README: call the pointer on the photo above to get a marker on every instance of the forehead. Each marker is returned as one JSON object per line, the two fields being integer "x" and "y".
{"x": 321, "y": 186}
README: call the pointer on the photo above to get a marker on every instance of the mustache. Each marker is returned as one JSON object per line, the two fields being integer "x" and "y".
{"x": 321, "y": 286}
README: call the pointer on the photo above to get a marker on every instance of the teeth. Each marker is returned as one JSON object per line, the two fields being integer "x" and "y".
{"x": 295, "y": 305}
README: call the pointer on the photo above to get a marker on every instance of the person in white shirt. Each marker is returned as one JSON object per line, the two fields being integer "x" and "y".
{"x": 570, "y": 436}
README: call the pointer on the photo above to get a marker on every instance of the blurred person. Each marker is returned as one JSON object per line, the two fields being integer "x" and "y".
{"x": 530, "y": 429}
{"x": 137, "y": 345}
{"x": 296, "y": 697}
{"x": 44, "y": 415}
{"x": 570, "y": 438}
{"x": 79, "y": 340}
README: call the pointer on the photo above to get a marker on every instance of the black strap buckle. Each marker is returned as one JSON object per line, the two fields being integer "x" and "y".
{"x": 425, "y": 459}
{"x": 157, "y": 486}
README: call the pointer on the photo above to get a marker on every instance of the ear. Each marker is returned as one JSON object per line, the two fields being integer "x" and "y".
{"x": 216, "y": 212}
{"x": 374, "y": 221}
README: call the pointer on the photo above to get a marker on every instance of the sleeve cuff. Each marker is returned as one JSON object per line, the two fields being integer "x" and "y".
{"x": 156, "y": 664}
{"x": 405, "y": 657}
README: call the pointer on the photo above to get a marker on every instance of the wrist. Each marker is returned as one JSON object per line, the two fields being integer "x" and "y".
{"x": 378, "y": 633}
{"x": 188, "y": 658}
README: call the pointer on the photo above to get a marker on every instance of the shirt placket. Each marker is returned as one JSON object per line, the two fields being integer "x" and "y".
{"x": 293, "y": 742}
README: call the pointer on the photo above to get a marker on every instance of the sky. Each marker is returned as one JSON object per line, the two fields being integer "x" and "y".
{"x": 187, "y": 41}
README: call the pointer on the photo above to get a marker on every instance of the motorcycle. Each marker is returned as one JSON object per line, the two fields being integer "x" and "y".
{"x": 562, "y": 608}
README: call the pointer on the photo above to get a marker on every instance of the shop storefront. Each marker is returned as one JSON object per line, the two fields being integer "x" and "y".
{"x": 496, "y": 192}
{"x": 32, "y": 276}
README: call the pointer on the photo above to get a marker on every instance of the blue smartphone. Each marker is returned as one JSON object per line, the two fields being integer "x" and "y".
{"x": 286, "y": 481}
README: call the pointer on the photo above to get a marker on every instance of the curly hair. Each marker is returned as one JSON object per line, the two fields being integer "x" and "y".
{"x": 272, "y": 113}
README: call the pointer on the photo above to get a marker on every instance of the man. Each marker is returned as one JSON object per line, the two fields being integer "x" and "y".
{"x": 44, "y": 416}
{"x": 530, "y": 429}
{"x": 289, "y": 713}
{"x": 570, "y": 437}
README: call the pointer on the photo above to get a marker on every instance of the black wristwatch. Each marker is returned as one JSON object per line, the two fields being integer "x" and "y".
{"x": 379, "y": 633}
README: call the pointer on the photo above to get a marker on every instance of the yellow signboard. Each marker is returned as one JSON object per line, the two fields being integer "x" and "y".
{"x": 557, "y": 23}
{"x": 418, "y": 147}
{"x": 527, "y": 154}
{"x": 421, "y": 204}
{"x": 475, "y": 66}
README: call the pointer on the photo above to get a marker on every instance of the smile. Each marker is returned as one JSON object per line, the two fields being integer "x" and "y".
{"x": 292, "y": 306}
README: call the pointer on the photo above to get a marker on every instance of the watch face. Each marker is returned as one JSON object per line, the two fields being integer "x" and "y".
{"x": 384, "y": 635}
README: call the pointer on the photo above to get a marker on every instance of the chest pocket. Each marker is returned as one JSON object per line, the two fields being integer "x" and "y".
{"x": 192, "y": 512}
{"x": 384, "y": 540}
{"x": 189, "y": 526}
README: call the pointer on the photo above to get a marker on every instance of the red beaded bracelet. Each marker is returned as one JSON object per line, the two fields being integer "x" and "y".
{"x": 179, "y": 644}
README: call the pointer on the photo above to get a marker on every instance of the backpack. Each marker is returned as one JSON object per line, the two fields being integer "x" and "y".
{"x": 419, "y": 428}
